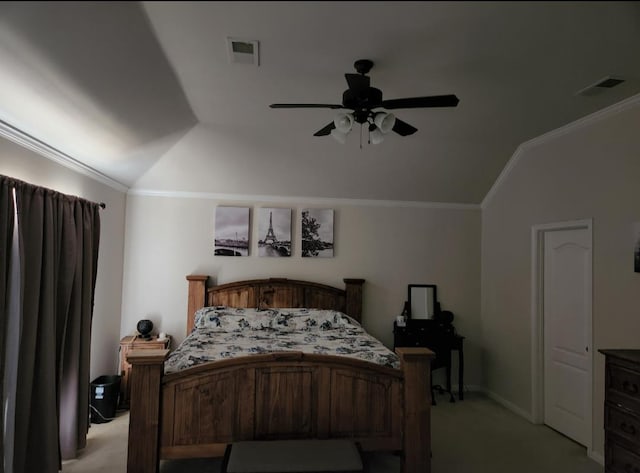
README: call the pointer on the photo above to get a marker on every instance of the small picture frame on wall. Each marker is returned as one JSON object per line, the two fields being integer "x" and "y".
{"x": 317, "y": 233}
{"x": 274, "y": 232}
{"x": 231, "y": 236}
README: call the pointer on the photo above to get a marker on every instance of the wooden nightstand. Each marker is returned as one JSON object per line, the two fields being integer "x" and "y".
{"x": 127, "y": 344}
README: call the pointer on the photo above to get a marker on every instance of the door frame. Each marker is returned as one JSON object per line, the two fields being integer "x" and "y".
{"x": 537, "y": 319}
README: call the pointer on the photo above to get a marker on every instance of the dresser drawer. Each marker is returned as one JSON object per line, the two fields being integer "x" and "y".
{"x": 623, "y": 424}
{"x": 623, "y": 387}
{"x": 409, "y": 337}
{"x": 620, "y": 460}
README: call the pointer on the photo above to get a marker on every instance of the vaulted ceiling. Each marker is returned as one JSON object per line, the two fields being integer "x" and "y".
{"x": 119, "y": 86}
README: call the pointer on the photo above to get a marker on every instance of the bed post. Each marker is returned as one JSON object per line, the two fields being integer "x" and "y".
{"x": 196, "y": 300}
{"x": 144, "y": 410}
{"x": 353, "y": 296}
{"x": 416, "y": 436}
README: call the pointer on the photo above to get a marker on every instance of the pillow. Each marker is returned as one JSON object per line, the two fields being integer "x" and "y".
{"x": 229, "y": 319}
{"x": 306, "y": 320}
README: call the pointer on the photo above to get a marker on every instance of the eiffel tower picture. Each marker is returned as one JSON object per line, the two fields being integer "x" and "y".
{"x": 276, "y": 230}
{"x": 270, "y": 239}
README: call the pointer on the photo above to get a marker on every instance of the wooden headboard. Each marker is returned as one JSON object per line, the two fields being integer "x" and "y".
{"x": 274, "y": 292}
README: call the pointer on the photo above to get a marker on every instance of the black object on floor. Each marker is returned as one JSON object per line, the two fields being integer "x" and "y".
{"x": 104, "y": 398}
{"x": 293, "y": 456}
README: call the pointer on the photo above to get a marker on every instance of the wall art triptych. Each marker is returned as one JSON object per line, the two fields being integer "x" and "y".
{"x": 232, "y": 230}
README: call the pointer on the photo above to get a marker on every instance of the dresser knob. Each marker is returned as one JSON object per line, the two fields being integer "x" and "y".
{"x": 630, "y": 388}
{"x": 629, "y": 429}
{"x": 631, "y": 469}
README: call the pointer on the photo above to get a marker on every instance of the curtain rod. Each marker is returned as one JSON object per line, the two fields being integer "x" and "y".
{"x": 14, "y": 180}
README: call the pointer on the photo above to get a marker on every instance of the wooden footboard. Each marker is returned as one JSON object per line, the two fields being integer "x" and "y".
{"x": 287, "y": 395}
{"x": 274, "y": 396}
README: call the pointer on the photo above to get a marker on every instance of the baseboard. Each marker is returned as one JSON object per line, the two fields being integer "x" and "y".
{"x": 509, "y": 405}
{"x": 595, "y": 456}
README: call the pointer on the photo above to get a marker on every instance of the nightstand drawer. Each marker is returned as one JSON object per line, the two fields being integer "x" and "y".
{"x": 623, "y": 424}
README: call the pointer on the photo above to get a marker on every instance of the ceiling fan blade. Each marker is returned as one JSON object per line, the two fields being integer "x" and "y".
{"x": 403, "y": 128}
{"x": 419, "y": 102}
{"x": 357, "y": 82}
{"x": 305, "y": 105}
{"x": 326, "y": 130}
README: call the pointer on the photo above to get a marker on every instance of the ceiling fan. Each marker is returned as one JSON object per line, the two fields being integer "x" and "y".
{"x": 365, "y": 104}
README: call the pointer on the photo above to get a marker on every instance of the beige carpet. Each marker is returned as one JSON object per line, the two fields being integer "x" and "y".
{"x": 476, "y": 435}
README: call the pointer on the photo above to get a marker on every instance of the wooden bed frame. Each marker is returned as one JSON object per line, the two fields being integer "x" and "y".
{"x": 285, "y": 395}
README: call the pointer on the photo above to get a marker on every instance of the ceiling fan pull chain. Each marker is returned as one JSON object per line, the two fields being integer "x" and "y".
{"x": 360, "y": 135}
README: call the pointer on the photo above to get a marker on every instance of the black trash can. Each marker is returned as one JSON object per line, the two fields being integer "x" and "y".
{"x": 104, "y": 398}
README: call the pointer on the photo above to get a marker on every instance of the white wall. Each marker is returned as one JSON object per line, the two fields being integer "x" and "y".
{"x": 23, "y": 164}
{"x": 591, "y": 171}
{"x": 389, "y": 246}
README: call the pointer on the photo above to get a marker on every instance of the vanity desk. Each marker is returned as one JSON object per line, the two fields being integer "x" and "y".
{"x": 425, "y": 325}
{"x": 442, "y": 340}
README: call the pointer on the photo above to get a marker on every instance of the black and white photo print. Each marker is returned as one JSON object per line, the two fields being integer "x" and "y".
{"x": 232, "y": 231}
{"x": 274, "y": 232}
{"x": 317, "y": 233}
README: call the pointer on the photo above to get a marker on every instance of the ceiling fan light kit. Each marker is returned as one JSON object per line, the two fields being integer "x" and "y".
{"x": 381, "y": 124}
{"x": 367, "y": 107}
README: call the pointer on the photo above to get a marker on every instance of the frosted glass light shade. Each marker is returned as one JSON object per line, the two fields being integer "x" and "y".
{"x": 339, "y": 136}
{"x": 343, "y": 122}
{"x": 376, "y": 136}
{"x": 385, "y": 121}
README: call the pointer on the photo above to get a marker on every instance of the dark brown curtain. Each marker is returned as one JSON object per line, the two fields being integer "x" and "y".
{"x": 59, "y": 237}
{"x": 6, "y": 233}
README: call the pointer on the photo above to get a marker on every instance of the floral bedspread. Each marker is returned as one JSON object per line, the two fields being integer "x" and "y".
{"x": 223, "y": 332}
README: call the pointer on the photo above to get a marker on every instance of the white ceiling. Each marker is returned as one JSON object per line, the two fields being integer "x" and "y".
{"x": 118, "y": 85}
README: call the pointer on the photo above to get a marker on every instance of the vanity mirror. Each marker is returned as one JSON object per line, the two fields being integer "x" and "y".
{"x": 423, "y": 301}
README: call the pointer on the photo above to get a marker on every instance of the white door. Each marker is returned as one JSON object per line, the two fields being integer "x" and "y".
{"x": 567, "y": 332}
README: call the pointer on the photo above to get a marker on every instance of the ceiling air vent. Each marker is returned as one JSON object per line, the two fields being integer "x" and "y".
{"x": 243, "y": 51}
{"x": 601, "y": 86}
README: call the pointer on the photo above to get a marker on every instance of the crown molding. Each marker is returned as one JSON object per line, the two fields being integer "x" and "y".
{"x": 43, "y": 149}
{"x": 554, "y": 134}
{"x": 300, "y": 200}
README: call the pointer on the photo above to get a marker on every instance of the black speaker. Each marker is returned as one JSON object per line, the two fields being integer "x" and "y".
{"x": 144, "y": 328}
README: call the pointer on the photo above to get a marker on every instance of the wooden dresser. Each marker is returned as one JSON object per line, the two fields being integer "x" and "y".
{"x": 127, "y": 344}
{"x": 622, "y": 411}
